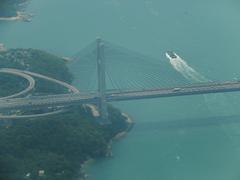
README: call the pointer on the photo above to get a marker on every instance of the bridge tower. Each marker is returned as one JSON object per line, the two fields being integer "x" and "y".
{"x": 102, "y": 103}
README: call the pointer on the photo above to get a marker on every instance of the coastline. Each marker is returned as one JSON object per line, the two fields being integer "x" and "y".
{"x": 86, "y": 164}
{"x": 93, "y": 109}
{"x": 84, "y": 168}
{"x": 14, "y": 14}
{"x": 130, "y": 123}
{"x": 12, "y": 18}
{"x": 129, "y": 119}
{"x": 20, "y": 16}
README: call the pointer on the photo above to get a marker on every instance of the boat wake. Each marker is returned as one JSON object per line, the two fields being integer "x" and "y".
{"x": 217, "y": 103}
{"x": 187, "y": 71}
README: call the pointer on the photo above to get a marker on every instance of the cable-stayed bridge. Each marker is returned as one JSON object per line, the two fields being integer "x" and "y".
{"x": 113, "y": 73}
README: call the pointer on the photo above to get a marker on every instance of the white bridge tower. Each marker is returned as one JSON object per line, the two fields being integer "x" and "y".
{"x": 102, "y": 103}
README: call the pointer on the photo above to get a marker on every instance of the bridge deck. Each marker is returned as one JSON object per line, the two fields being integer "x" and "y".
{"x": 81, "y": 98}
{"x": 204, "y": 88}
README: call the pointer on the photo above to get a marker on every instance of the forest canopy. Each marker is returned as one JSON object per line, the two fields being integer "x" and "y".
{"x": 57, "y": 144}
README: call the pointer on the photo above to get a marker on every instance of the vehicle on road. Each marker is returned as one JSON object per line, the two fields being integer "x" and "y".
{"x": 176, "y": 89}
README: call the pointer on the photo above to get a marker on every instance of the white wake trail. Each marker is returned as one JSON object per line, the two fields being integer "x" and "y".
{"x": 187, "y": 71}
{"x": 216, "y": 103}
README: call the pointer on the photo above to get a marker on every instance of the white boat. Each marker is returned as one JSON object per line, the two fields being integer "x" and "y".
{"x": 171, "y": 55}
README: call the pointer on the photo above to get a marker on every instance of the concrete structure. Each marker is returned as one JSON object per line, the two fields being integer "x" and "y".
{"x": 101, "y": 96}
{"x": 102, "y": 104}
{"x": 123, "y": 95}
{"x": 28, "y": 89}
{"x": 29, "y": 77}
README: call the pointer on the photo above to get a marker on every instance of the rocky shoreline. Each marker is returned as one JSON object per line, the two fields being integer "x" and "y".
{"x": 130, "y": 123}
{"x": 21, "y": 16}
{"x": 85, "y": 166}
{"x": 14, "y": 11}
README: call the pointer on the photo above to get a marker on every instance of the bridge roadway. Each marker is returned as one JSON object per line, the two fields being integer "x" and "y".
{"x": 198, "y": 89}
{"x": 83, "y": 98}
{"x": 31, "y": 82}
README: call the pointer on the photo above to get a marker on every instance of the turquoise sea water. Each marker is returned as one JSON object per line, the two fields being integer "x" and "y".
{"x": 180, "y": 138}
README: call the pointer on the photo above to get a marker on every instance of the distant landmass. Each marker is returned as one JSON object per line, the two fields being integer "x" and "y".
{"x": 9, "y": 8}
{"x": 13, "y": 10}
{"x": 54, "y": 147}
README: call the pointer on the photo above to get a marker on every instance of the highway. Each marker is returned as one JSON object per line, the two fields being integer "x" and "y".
{"x": 83, "y": 98}
{"x": 66, "y": 85}
{"x": 28, "y": 75}
{"x": 46, "y": 101}
{"x": 31, "y": 82}
{"x": 203, "y": 88}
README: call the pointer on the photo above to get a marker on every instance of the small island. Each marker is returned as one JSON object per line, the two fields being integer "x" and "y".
{"x": 54, "y": 147}
{"x": 12, "y": 10}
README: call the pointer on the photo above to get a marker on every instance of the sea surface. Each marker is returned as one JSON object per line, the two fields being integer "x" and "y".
{"x": 182, "y": 138}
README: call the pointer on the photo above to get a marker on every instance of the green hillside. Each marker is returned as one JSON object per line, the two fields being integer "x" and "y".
{"x": 57, "y": 144}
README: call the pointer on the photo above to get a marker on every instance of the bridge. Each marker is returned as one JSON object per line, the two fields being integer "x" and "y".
{"x": 102, "y": 95}
{"x": 84, "y": 98}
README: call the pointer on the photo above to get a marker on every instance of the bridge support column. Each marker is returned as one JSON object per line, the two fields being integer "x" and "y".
{"x": 102, "y": 104}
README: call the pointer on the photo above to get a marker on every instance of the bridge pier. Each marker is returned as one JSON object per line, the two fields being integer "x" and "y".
{"x": 102, "y": 104}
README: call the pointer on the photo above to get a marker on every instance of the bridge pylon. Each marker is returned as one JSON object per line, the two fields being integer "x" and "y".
{"x": 102, "y": 103}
